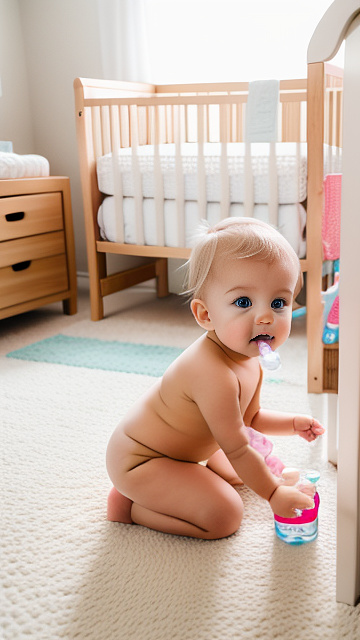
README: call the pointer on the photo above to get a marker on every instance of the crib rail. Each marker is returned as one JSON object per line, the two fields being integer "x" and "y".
{"x": 212, "y": 113}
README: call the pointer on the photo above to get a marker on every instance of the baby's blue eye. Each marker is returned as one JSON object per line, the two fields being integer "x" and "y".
{"x": 243, "y": 302}
{"x": 278, "y": 303}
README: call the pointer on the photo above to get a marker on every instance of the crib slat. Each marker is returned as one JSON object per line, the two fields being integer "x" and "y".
{"x": 89, "y": 128}
{"x": 224, "y": 168}
{"x": 236, "y": 123}
{"x": 241, "y": 122}
{"x": 125, "y": 126}
{"x": 149, "y": 125}
{"x": 248, "y": 182}
{"x": 330, "y": 97}
{"x": 333, "y": 136}
{"x": 303, "y": 121}
{"x": 201, "y": 174}
{"x": 105, "y": 129}
{"x": 273, "y": 186}
{"x": 214, "y": 123}
{"x": 170, "y": 124}
{"x": 298, "y": 164}
{"x": 291, "y": 122}
{"x": 158, "y": 178}
{"x": 115, "y": 128}
{"x": 192, "y": 123}
{"x": 338, "y": 131}
{"x": 326, "y": 152}
{"x": 117, "y": 178}
{"x": 180, "y": 202}
{"x": 139, "y": 220}
{"x": 142, "y": 124}
{"x": 207, "y": 125}
{"x": 96, "y": 128}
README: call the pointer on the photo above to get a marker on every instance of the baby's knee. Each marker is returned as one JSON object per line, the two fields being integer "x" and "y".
{"x": 228, "y": 516}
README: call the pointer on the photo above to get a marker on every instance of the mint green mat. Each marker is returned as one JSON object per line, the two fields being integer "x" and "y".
{"x": 144, "y": 359}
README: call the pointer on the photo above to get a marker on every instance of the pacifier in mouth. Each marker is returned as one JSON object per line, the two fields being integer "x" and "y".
{"x": 269, "y": 359}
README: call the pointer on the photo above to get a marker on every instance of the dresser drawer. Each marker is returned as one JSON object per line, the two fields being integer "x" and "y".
{"x": 31, "y": 248}
{"x": 33, "y": 279}
{"x": 30, "y": 215}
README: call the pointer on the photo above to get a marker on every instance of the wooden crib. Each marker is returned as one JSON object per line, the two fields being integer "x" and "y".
{"x": 118, "y": 115}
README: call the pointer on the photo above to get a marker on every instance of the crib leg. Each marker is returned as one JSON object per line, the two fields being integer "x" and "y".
{"x": 97, "y": 271}
{"x": 161, "y": 269}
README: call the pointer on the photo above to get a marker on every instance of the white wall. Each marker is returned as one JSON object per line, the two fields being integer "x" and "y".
{"x": 61, "y": 41}
{"x": 15, "y": 113}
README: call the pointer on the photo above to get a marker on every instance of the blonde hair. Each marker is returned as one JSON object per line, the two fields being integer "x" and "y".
{"x": 237, "y": 238}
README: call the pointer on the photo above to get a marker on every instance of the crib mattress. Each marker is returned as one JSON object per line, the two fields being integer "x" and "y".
{"x": 291, "y": 221}
{"x": 14, "y": 165}
{"x": 291, "y": 168}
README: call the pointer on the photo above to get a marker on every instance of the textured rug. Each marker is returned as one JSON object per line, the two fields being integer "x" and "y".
{"x": 110, "y": 355}
{"x": 68, "y": 573}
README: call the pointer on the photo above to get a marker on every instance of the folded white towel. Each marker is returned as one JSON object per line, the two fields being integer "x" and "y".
{"x": 261, "y": 111}
{"x": 13, "y": 165}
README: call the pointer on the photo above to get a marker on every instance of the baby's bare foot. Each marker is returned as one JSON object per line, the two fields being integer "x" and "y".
{"x": 118, "y": 507}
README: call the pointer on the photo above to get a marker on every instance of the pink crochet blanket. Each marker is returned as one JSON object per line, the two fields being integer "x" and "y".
{"x": 258, "y": 441}
{"x": 331, "y": 217}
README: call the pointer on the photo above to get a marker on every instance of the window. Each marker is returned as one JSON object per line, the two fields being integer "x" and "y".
{"x": 230, "y": 40}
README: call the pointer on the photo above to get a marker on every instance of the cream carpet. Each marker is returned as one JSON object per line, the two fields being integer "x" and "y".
{"x": 68, "y": 573}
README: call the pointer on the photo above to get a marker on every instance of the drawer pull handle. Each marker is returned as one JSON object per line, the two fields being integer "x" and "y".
{"x": 21, "y": 266}
{"x": 14, "y": 217}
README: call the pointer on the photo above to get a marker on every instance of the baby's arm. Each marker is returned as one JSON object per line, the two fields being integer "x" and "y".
{"x": 218, "y": 399}
{"x": 277, "y": 423}
{"x": 250, "y": 466}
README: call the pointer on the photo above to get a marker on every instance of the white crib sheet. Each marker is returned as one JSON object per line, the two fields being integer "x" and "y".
{"x": 14, "y": 165}
{"x": 291, "y": 167}
{"x": 292, "y": 221}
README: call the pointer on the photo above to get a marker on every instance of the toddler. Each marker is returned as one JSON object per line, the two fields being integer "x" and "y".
{"x": 243, "y": 277}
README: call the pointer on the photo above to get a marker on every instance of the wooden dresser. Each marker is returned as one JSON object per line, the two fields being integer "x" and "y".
{"x": 37, "y": 253}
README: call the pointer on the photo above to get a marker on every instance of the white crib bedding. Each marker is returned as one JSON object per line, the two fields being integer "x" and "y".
{"x": 14, "y": 165}
{"x": 291, "y": 167}
{"x": 291, "y": 221}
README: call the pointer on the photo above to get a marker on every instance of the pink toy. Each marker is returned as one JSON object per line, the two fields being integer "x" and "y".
{"x": 331, "y": 216}
{"x": 265, "y": 447}
{"x": 333, "y": 317}
{"x": 331, "y": 330}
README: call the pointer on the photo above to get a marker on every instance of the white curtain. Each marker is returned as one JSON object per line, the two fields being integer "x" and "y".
{"x": 123, "y": 39}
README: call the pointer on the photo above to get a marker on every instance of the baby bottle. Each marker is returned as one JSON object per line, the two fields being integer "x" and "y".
{"x": 304, "y": 526}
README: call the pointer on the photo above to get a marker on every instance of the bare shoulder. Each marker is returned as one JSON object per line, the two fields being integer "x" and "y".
{"x": 207, "y": 366}
{"x": 205, "y": 355}
{"x": 201, "y": 361}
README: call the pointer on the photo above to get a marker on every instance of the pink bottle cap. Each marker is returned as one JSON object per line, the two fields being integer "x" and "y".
{"x": 308, "y": 515}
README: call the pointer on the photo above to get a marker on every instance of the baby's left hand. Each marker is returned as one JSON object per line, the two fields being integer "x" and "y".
{"x": 307, "y": 427}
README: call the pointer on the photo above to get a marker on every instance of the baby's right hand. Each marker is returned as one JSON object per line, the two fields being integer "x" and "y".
{"x": 286, "y": 499}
